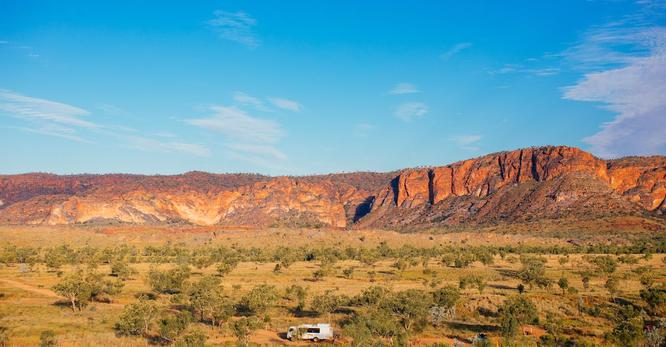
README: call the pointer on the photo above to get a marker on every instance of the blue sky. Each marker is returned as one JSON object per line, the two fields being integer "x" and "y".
{"x": 301, "y": 87}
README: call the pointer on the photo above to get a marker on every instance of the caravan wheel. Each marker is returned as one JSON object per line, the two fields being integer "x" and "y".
{"x": 316, "y": 339}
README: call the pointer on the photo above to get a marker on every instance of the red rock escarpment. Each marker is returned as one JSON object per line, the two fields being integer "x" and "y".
{"x": 521, "y": 185}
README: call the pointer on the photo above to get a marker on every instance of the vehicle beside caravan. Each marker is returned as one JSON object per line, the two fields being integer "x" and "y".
{"x": 313, "y": 332}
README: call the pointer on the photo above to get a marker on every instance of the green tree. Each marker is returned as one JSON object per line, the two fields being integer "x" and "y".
{"x": 533, "y": 270}
{"x": 243, "y": 328}
{"x": 228, "y": 264}
{"x": 194, "y": 338}
{"x": 327, "y": 303}
{"x": 258, "y": 300}
{"x": 563, "y": 283}
{"x": 628, "y": 329}
{"x": 171, "y": 281}
{"x": 221, "y": 311}
{"x": 647, "y": 279}
{"x": 204, "y": 296}
{"x": 446, "y": 297}
{"x": 605, "y": 264}
{"x": 514, "y": 313}
{"x": 612, "y": 285}
{"x": 75, "y": 288}
{"x": 411, "y": 307}
{"x": 298, "y": 294}
{"x": 55, "y": 258}
{"x": 122, "y": 270}
{"x": 171, "y": 325}
{"x": 654, "y": 297}
{"x": 136, "y": 318}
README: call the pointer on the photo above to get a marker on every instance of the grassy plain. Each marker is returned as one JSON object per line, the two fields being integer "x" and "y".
{"x": 28, "y": 306}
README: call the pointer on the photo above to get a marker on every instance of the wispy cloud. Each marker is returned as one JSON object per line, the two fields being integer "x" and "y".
{"x": 235, "y": 26}
{"x": 628, "y": 77}
{"x": 35, "y": 109}
{"x": 403, "y": 88}
{"x": 251, "y": 139}
{"x": 65, "y": 121}
{"x": 520, "y": 68}
{"x": 455, "y": 50}
{"x": 286, "y": 104}
{"x": 467, "y": 142}
{"x": 409, "y": 111}
{"x": 236, "y": 124}
{"x": 54, "y": 130}
{"x": 247, "y": 99}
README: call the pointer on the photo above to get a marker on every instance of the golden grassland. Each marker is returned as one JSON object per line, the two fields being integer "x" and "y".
{"x": 28, "y": 306}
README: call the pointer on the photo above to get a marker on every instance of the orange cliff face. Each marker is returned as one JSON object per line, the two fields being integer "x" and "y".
{"x": 543, "y": 182}
{"x": 516, "y": 186}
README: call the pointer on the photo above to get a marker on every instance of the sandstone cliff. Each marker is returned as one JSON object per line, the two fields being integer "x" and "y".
{"x": 516, "y": 186}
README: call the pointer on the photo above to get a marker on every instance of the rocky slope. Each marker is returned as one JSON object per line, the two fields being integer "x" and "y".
{"x": 517, "y": 186}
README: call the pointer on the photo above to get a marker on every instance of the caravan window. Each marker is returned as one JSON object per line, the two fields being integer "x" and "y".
{"x": 313, "y": 330}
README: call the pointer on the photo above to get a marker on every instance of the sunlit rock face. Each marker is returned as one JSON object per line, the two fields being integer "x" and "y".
{"x": 521, "y": 185}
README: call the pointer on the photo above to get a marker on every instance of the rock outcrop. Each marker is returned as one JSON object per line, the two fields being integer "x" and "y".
{"x": 516, "y": 186}
{"x": 543, "y": 182}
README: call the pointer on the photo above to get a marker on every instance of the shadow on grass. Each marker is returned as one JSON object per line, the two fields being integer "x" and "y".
{"x": 477, "y": 328}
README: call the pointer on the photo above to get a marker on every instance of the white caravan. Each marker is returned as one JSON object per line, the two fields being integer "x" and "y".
{"x": 314, "y": 332}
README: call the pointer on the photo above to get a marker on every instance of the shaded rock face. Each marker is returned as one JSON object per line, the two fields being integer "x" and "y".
{"x": 516, "y": 186}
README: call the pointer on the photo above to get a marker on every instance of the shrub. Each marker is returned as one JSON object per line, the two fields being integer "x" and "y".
{"x": 514, "y": 312}
{"x": 168, "y": 282}
{"x": 136, "y": 318}
{"x": 258, "y": 300}
{"x": 75, "y": 289}
{"x": 195, "y": 338}
{"x": 170, "y": 325}
{"x": 48, "y": 339}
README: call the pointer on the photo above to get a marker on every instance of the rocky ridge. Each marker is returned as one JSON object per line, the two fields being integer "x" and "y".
{"x": 524, "y": 185}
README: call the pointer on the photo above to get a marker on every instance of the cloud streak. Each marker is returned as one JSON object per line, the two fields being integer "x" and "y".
{"x": 409, "y": 111}
{"x": 467, "y": 142}
{"x": 286, "y": 104}
{"x": 35, "y": 109}
{"x": 236, "y": 124}
{"x": 403, "y": 88}
{"x": 455, "y": 50}
{"x": 235, "y": 26}
{"x": 65, "y": 121}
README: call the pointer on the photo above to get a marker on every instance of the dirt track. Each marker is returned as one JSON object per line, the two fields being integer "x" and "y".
{"x": 29, "y": 288}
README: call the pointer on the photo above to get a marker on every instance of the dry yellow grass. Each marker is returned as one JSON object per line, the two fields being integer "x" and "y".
{"x": 27, "y": 312}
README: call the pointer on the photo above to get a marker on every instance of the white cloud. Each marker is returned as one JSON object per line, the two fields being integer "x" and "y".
{"x": 404, "y": 88}
{"x": 286, "y": 104}
{"x": 235, "y": 26}
{"x": 467, "y": 142}
{"x": 455, "y": 50}
{"x": 630, "y": 81}
{"x": 41, "y": 110}
{"x": 236, "y": 124}
{"x": 518, "y": 68}
{"x": 411, "y": 110}
{"x": 64, "y": 121}
{"x": 54, "y": 130}
{"x": 246, "y": 99}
